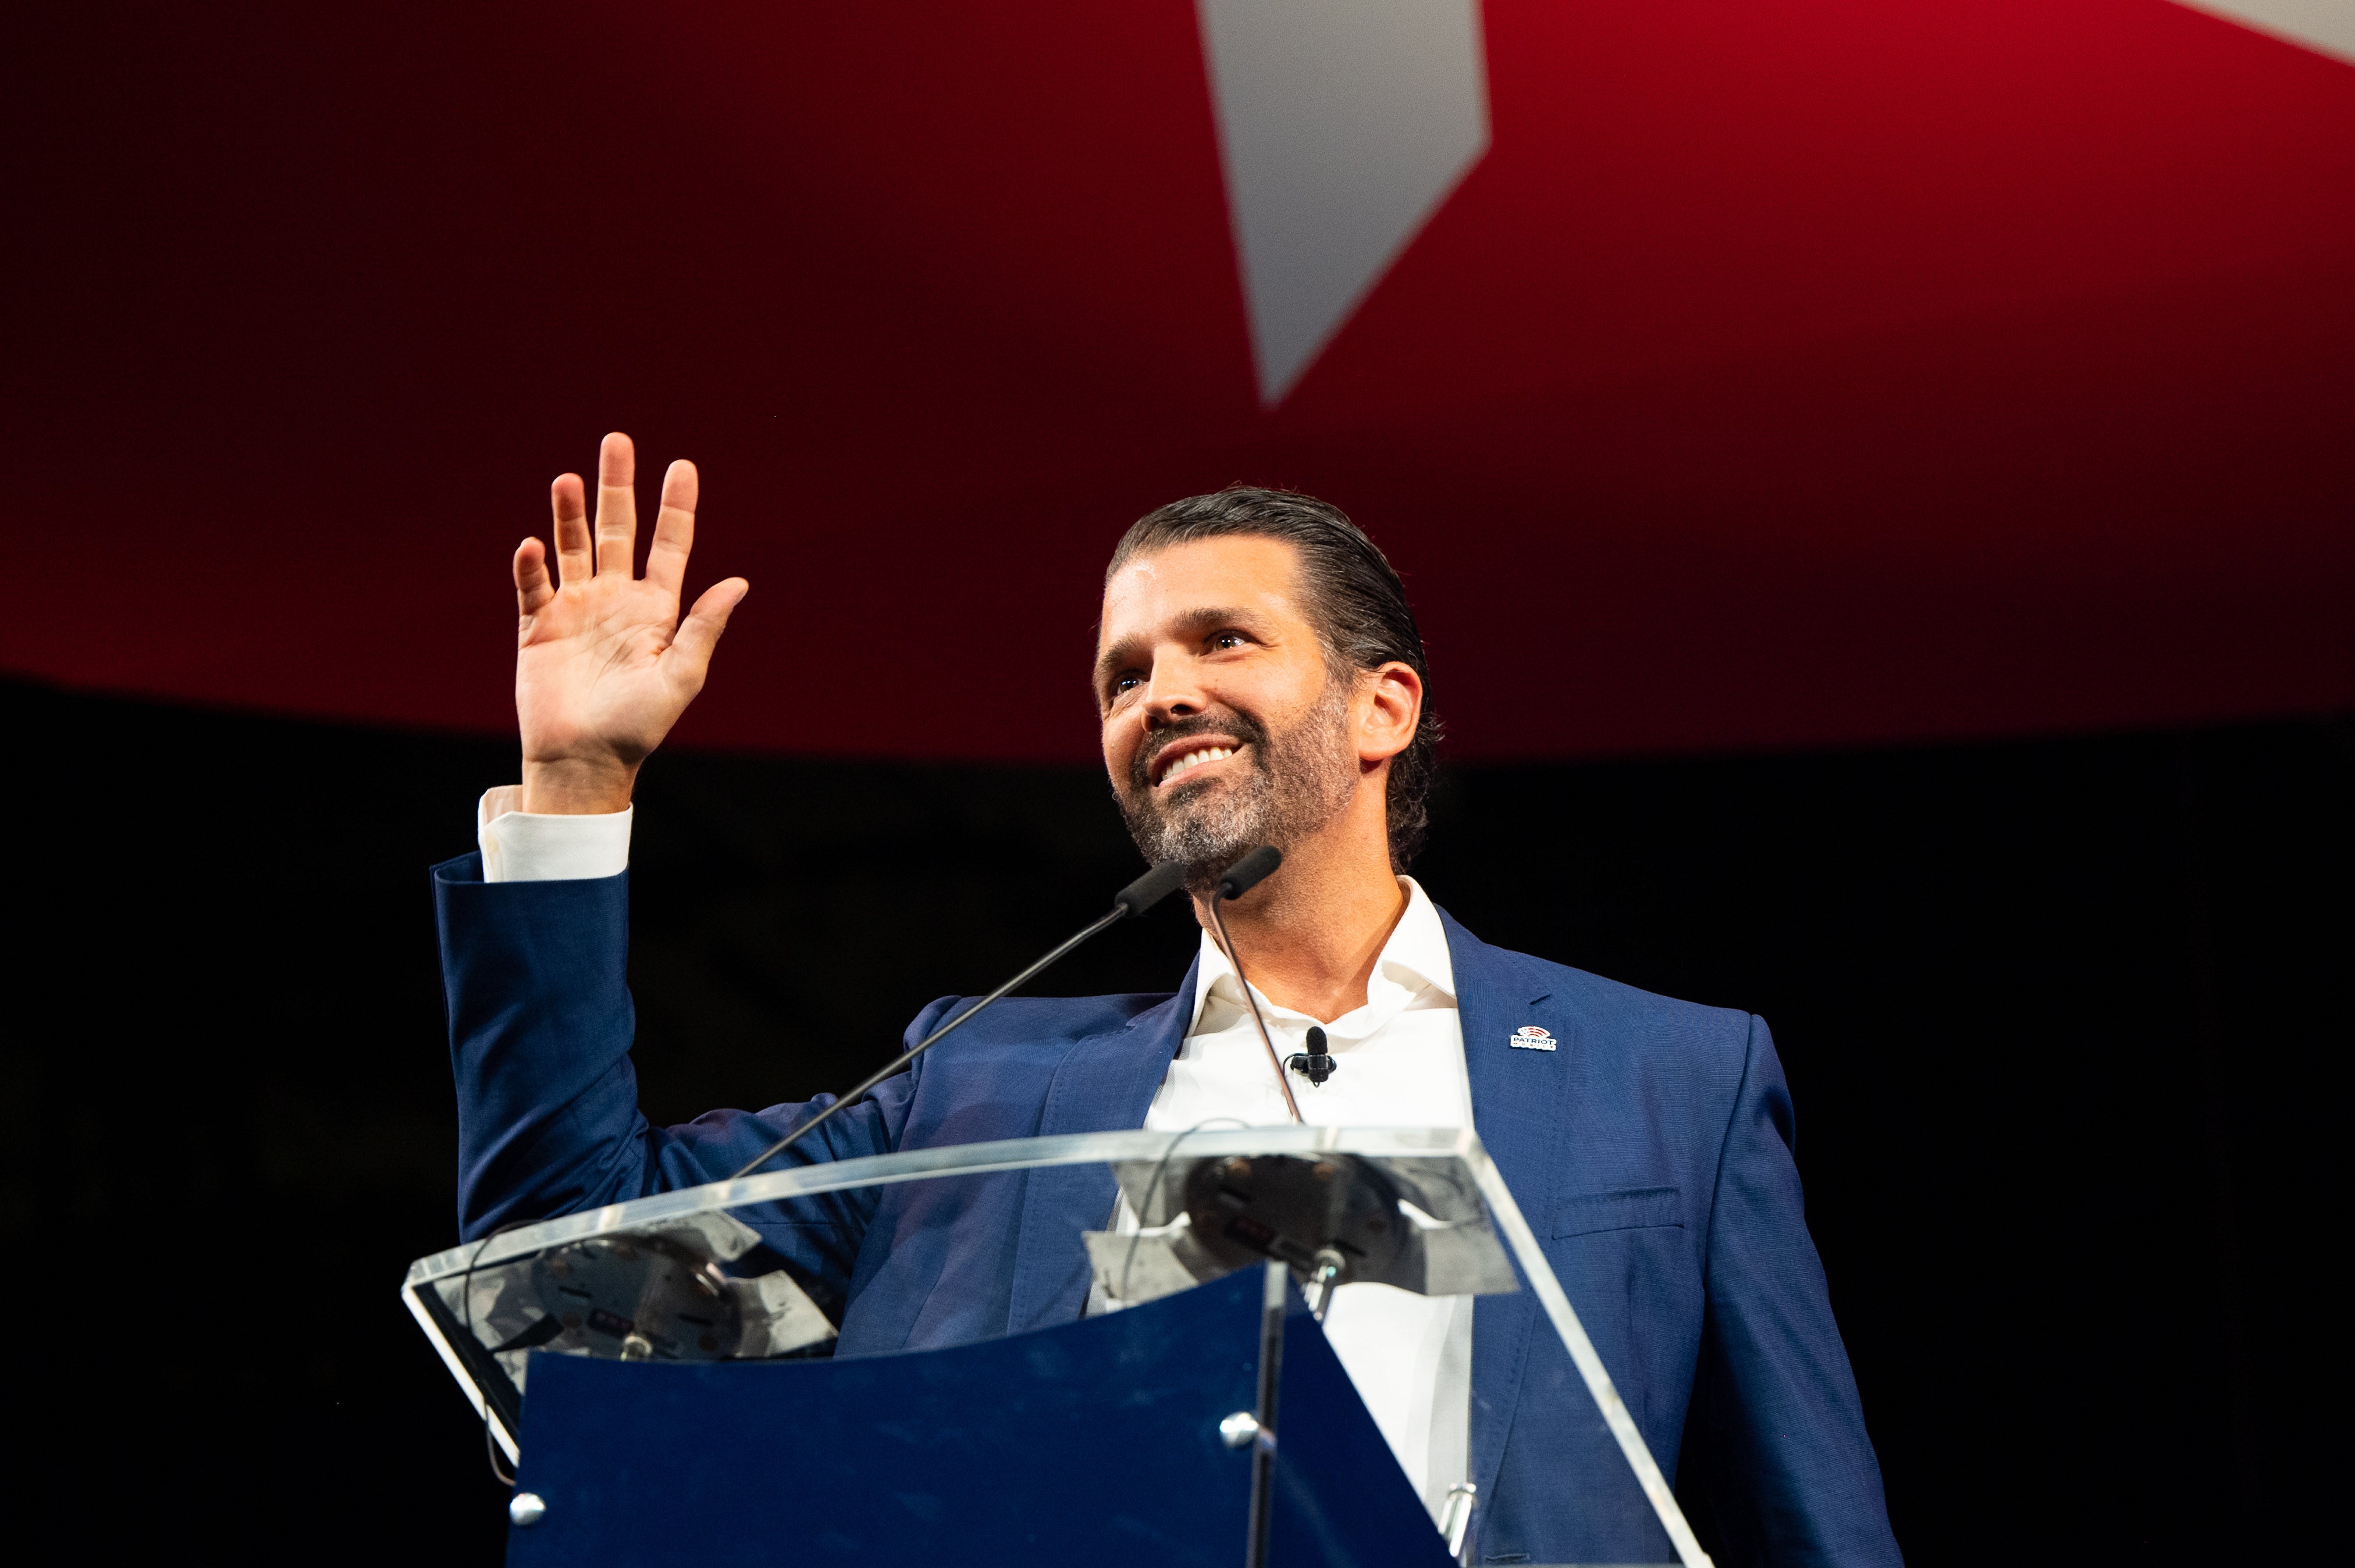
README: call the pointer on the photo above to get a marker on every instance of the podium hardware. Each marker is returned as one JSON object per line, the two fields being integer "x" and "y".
{"x": 1455, "y": 1524}
{"x": 1273, "y": 1285}
{"x": 1330, "y": 1264}
{"x": 1128, "y": 904}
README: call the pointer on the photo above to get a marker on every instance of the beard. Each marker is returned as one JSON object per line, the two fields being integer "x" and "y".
{"x": 1299, "y": 779}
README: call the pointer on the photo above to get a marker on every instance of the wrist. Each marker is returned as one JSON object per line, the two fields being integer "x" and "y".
{"x": 576, "y": 786}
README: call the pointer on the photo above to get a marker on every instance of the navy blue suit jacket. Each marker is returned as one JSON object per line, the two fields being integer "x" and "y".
{"x": 1651, "y": 1152}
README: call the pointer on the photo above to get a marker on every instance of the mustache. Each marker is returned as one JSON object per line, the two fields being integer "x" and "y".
{"x": 1245, "y": 729}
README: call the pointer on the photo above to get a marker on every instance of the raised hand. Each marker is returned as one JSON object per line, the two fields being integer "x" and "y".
{"x": 604, "y": 664}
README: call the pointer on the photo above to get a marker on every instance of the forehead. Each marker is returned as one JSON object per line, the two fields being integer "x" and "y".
{"x": 1161, "y": 591}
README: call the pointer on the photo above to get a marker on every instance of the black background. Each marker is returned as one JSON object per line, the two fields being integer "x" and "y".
{"x": 2060, "y": 1019}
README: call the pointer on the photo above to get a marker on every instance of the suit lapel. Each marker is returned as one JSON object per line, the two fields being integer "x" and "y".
{"x": 1105, "y": 1083}
{"x": 1521, "y": 1101}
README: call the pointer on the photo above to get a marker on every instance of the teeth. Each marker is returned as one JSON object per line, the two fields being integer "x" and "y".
{"x": 1193, "y": 759}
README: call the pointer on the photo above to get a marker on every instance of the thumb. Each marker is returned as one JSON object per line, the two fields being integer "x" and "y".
{"x": 698, "y": 634}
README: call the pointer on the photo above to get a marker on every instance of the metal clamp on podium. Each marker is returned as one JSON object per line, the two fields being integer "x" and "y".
{"x": 681, "y": 1391}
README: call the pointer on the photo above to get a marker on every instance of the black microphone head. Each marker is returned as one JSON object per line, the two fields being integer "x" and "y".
{"x": 1249, "y": 871}
{"x": 1316, "y": 1041}
{"x": 1151, "y": 888}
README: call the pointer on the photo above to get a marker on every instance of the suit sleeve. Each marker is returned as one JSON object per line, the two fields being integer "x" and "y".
{"x": 1795, "y": 1480}
{"x": 535, "y": 977}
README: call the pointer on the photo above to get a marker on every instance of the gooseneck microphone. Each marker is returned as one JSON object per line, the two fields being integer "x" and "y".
{"x": 1249, "y": 871}
{"x": 1128, "y": 904}
{"x": 1237, "y": 880}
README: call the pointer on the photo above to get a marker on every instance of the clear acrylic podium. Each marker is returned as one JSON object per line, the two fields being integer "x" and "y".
{"x": 682, "y": 1399}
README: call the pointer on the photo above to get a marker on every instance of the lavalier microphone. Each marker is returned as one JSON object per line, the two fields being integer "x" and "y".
{"x": 1313, "y": 1063}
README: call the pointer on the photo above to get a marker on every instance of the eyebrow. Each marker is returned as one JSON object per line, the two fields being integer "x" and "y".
{"x": 1196, "y": 620}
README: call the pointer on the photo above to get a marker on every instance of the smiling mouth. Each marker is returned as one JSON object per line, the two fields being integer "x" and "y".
{"x": 1189, "y": 760}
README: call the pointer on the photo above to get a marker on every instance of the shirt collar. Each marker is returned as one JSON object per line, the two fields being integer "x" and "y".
{"x": 1414, "y": 960}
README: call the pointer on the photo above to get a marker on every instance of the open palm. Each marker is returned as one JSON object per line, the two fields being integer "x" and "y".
{"x": 604, "y": 664}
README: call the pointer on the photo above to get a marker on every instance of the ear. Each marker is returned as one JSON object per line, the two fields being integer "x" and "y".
{"x": 1388, "y": 709}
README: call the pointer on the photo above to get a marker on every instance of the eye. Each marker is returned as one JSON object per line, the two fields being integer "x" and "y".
{"x": 1225, "y": 642}
{"x": 1124, "y": 684}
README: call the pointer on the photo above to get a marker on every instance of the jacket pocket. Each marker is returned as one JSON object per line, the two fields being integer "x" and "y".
{"x": 1629, "y": 1209}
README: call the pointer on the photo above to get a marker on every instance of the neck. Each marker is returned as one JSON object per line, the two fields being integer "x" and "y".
{"x": 1309, "y": 936}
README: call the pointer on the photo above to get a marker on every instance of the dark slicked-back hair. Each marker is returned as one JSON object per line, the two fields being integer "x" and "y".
{"x": 1354, "y": 599}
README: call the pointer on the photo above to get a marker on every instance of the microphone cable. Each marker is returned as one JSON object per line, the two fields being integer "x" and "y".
{"x": 1152, "y": 1191}
{"x": 1240, "y": 878}
{"x": 504, "y": 1477}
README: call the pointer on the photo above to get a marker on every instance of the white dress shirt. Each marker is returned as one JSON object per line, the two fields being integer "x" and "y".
{"x": 1400, "y": 1063}
{"x": 522, "y": 846}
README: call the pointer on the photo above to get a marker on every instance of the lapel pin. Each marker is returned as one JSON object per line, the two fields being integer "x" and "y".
{"x": 1530, "y": 1037}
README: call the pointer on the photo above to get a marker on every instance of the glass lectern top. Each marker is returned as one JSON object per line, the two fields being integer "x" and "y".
{"x": 679, "y": 1277}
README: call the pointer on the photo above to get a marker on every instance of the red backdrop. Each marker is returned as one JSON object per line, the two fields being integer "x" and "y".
{"x": 1789, "y": 372}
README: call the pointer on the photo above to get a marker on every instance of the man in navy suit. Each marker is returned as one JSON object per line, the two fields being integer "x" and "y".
{"x": 1259, "y": 680}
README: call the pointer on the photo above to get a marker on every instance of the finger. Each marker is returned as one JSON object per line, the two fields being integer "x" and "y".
{"x": 674, "y": 529}
{"x": 533, "y": 590}
{"x": 698, "y": 634}
{"x": 573, "y": 557}
{"x": 617, "y": 504}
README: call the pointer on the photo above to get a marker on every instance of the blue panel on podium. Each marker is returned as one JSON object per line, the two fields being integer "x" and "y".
{"x": 1097, "y": 1441}
{"x": 1093, "y": 1442}
{"x": 1341, "y": 1501}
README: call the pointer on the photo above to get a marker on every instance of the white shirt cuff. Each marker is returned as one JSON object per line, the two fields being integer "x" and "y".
{"x": 527, "y": 846}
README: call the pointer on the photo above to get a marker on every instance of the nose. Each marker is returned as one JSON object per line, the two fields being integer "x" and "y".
{"x": 1171, "y": 693}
